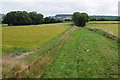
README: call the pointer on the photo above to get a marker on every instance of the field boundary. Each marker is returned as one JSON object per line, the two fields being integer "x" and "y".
{"x": 44, "y": 60}
{"x": 104, "y": 23}
{"x": 105, "y": 33}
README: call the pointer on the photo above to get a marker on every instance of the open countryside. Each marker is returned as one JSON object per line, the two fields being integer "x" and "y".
{"x": 71, "y": 58}
{"x": 30, "y": 36}
{"x": 64, "y": 46}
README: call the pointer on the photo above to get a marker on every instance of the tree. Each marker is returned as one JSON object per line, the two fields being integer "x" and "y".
{"x": 51, "y": 20}
{"x": 80, "y": 19}
{"x": 36, "y": 18}
{"x": 17, "y": 18}
{"x": 93, "y": 19}
{"x": 103, "y": 19}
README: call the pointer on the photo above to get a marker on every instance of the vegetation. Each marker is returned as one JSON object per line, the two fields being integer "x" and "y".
{"x": 19, "y": 39}
{"x": 83, "y": 56}
{"x": 25, "y": 18}
{"x": 51, "y": 20}
{"x": 17, "y": 18}
{"x": 105, "y": 19}
{"x": 80, "y": 19}
{"x": 11, "y": 65}
{"x": 36, "y": 18}
{"x": 75, "y": 53}
{"x": 109, "y": 26}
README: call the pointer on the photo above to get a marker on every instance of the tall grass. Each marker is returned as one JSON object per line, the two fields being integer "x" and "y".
{"x": 113, "y": 28}
{"x": 12, "y": 67}
{"x": 18, "y": 39}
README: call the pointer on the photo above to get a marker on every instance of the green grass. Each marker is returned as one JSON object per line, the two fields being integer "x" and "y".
{"x": 107, "y": 27}
{"x": 109, "y": 22}
{"x": 85, "y": 55}
{"x": 10, "y": 67}
{"x": 23, "y": 38}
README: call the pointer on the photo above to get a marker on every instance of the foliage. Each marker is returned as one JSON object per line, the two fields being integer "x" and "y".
{"x": 67, "y": 20}
{"x": 22, "y": 18}
{"x": 25, "y": 18}
{"x": 80, "y": 19}
{"x": 104, "y": 19}
{"x": 51, "y": 20}
{"x": 36, "y": 18}
{"x": 17, "y": 18}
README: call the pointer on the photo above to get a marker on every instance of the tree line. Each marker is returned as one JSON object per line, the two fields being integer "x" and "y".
{"x": 25, "y": 18}
{"x": 104, "y": 19}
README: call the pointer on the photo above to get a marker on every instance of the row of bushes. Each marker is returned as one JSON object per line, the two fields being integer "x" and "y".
{"x": 104, "y": 19}
{"x": 25, "y": 18}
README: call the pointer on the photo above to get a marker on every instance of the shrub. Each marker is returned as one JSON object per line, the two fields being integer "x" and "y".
{"x": 80, "y": 19}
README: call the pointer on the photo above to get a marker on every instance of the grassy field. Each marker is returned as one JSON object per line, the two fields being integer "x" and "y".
{"x": 22, "y": 38}
{"x": 73, "y": 53}
{"x": 11, "y": 65}
{"x": 109, "y": 22}
{"x": 85, "y": 55}
{"x": 107, "y": 27}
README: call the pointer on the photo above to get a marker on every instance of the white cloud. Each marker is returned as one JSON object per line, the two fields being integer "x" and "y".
{"x": 52, "y": 7}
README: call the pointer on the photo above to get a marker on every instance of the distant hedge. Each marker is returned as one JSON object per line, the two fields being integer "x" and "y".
{"x": 104, "y": 19}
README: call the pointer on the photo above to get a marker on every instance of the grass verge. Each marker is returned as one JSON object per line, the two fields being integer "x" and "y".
{"x": 85, "y": 55}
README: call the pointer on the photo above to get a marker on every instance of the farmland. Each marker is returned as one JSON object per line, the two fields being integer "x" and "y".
{"x": 109, "y": 26}
{"x": 27, "y": 37}
{"x": 86, "y": 55}
{"x": 65, "y": 51}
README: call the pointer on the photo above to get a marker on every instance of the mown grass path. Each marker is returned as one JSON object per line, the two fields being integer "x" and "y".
{"x": 85, "y": 54}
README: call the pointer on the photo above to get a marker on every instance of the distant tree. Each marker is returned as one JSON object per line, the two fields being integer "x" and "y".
{"x": 17, "y": 18}
{"x": 118, "y": 19}
{"x": 80, "y": 19}
{"x": 93, "y": 19}
{"x": 75, "y": 18}
{"x": 103, "y": 19}
{"x": 51, "y": 20}
{"x": 86, "y": 17}
{"x": 36, "y": 18}
{"x": 67, "y": 20}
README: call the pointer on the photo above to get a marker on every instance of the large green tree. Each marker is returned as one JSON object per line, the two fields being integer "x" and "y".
{"x": 22, "y": 18}
{"x": 17, "y": 18}
{"x": 80, "y": 19}
{"x": 37, "y": 18}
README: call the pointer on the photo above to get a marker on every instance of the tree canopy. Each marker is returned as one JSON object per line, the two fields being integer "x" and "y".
{"x": 36, "y": 18}
{"x": 51, "y": 20}
{"x": 80, "y": 19}
{"x": 22, "y": 18}
{"x": 17, "y": 18}
{"x": 25, "y": 18}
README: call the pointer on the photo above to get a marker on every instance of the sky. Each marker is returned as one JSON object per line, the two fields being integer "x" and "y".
{"x": 53, "y": 7}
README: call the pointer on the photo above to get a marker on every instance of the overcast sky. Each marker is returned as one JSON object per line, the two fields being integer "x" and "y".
{"x": 53, "y": 7}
